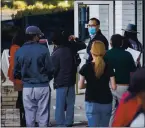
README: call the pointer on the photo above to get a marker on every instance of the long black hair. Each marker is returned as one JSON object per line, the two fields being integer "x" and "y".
{"x": 133, "y": 36}
{"x": 19, "y": 38}
{"x": 60, "y": 37}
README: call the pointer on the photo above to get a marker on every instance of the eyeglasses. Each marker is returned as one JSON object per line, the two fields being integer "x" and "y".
{"x": 91, "y": 25}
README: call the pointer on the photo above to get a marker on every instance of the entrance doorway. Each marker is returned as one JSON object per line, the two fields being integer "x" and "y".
{"x": 84, "y": 10}
{"x": 102, "y": 10}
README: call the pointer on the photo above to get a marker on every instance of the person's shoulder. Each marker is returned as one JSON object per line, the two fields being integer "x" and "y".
{"x": 65, "y": 50}
{"x": 109, "y": 52}
{"x": 102, "y": 36}
{"x": 87, "y": 65}
{"x": 128, "y": 54}
{"x": 59, "y": 51}
{"x": 84, "y": 68}
{"x": 42, "y": 47}
{"x": 14, "y": 48}
{"x": 18, "y": 51}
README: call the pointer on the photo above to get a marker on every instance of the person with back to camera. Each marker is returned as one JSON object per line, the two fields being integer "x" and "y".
{"x": 34, "y": 67}
{"x": 123, "y": 65}
{"x": 64, "y": 60}
{"x": 131, "y": 41}
{"x": 98, "y": 97}
{"x": 131, "y": 110}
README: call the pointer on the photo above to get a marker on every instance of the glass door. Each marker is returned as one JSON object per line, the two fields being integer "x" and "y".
{"x": 84, "y": 10}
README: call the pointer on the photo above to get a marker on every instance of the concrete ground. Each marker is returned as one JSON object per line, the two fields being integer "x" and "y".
{"x": 79, "y": 116}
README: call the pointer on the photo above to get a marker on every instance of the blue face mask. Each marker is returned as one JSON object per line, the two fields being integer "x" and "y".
{"x": 92, "y": 30}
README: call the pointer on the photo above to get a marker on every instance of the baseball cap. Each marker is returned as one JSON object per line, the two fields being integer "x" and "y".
{"x": 33, "y": 30}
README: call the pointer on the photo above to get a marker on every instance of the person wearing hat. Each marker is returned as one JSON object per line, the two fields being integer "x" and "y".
{"x": 132, "y": 41}
{"x": 33, "y": 66}
{"x": 131, "y": 110}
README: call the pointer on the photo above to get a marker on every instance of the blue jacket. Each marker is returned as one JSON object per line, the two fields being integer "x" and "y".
{"x": 33, "y": 65}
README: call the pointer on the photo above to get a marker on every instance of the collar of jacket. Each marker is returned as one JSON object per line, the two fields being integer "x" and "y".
{"x": 58, "y": 47}
{"x": 99, "y": 32}
{"x": 30, "y": 42}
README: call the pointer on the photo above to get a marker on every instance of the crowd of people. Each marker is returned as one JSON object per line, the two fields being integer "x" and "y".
{"x": 114, "y": 82}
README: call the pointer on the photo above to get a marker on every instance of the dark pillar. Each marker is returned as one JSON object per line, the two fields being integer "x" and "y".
{"x": 82, "y": 23}
{"x": 143, "y": 7}
{"x": 136, "y": 12}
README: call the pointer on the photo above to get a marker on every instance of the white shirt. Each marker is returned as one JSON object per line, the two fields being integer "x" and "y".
{"x": 92, "y": 36}
{"x": 139, "y": 121}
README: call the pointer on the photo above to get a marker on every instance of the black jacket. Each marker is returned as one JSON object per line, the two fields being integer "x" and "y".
{"x": 99, "y": 36}
{"x": 63, "y": 62}
{"x": 127, "y": 43}
{"x": 65, "y": 66}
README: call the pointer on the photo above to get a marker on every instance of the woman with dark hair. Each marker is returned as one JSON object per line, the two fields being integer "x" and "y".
{"x": 17, "y": 42}
{"x": 63, "y": 80}
{"x": 132, "y": 41}
{"x": 123, "y": 65}
{"x": 131, "y": 110}
{"x": 64, "y": 60}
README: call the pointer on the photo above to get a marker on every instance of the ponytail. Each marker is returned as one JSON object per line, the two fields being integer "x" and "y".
{"x": 98, "y": 51}
{"x": 99, "y": 66}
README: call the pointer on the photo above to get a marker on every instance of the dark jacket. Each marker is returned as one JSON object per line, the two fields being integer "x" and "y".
{"x": 127, "y": 43}
{"x": 99, "y": 36}
{"x": 33, "y": 65}
{"x": 76, "y": 45}
{"x": 64, "y": 60}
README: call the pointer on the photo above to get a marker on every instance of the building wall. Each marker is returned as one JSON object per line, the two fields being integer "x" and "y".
{"x": 101, "y": 12}
{"x": 125, "y": 14}
{"x": 118, "y": 17}
{"x": 140, "y": 20}
{"x": 128, "y": 13}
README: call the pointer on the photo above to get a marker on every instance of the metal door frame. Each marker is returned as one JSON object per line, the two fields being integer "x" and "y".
{"x": 76, "y": 14}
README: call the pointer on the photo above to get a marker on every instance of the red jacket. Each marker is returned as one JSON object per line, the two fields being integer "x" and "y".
{"x": 13, "y": 50}
{"x": 126, "y": 111}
